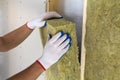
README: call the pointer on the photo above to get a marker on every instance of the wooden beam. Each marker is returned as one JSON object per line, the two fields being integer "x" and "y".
{"x": 52, "y": 5}
{"x": 83, "y": 50}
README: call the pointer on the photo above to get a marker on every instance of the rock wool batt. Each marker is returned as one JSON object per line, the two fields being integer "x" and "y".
{"x": 102, "y": 40}
{"x": 68, "y": 67}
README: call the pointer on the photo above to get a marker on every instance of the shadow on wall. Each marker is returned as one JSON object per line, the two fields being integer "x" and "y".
{"x": 73, "y": 11}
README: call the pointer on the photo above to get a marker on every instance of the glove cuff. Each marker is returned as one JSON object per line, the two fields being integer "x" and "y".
{"x": 46, "y": 64}
{"x": 41, "y": 65}
{"x": 29, "y": 25}
{"x": 35, "y": 24}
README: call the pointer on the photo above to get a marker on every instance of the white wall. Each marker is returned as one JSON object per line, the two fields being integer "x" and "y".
{"x": 73, "y": 11}
{"x": 13, "y": 14}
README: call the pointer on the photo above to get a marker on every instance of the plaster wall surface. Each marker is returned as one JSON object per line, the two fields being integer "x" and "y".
{"x": 13, "y": 14}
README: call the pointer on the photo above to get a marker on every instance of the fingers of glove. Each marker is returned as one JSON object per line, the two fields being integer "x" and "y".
{"x": 66, "y": 48}
{"x": 52, "y": 14}
{"x": 61, "y": 40}
{"x": 37, "y": 20}
{"x": 64, "y": 44}
{"x": 63, "y": 51}
{"x": 49, "y": 15}
{"x": 41, "y": 24}
{"x": 55, "y": 14}
{"x": 56, "y": 37}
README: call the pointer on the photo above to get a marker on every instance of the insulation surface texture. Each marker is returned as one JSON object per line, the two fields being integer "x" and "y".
{"x": 102, "y": 40}
{"x": 68, "y": 67}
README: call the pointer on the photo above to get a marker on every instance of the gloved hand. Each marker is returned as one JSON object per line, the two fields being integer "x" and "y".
{"x": 40, "y": 22}
{"x": 54, "y": 49}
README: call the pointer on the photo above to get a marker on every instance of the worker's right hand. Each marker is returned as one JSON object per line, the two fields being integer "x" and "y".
{"x": 40, "y": 22}
{"x": 54, "y": 49}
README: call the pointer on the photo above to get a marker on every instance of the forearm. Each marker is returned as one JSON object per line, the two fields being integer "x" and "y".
{"x": 31, "y": 73}
{"x": 15, "y": 37}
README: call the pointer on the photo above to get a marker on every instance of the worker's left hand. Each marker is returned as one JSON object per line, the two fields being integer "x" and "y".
{"x": 40, "y": 22}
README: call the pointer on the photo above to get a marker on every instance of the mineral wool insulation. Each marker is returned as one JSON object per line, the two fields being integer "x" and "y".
{"x": 68, "y": 67}
{"x": 102, "y": 40}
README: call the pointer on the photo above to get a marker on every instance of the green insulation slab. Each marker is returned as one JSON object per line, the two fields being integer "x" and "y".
{"x": 102, "y": 40}
{"x": 68, "y": 67}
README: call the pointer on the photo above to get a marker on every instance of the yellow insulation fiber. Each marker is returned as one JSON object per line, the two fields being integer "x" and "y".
{"x": 68, "y": 67}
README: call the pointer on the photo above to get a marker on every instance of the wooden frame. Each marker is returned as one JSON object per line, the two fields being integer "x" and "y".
{"x": 83, "y": 50}
{"x": 52, "y": 5}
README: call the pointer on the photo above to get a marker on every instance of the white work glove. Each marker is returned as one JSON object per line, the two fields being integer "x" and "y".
{"x": 40, "y": 22}
{"x": 54, "y": 49}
